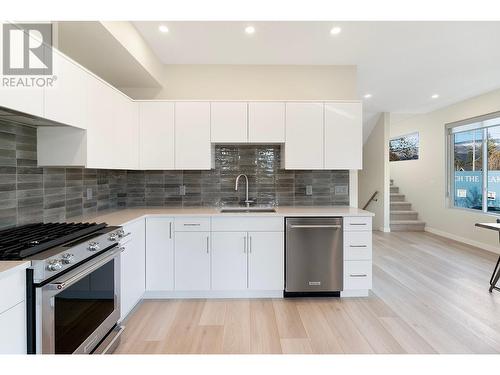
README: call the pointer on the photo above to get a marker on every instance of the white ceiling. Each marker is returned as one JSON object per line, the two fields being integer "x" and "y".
{"x": 400, "y": 63}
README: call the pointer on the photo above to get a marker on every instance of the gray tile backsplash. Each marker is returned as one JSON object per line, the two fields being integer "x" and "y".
{"x": 32, "y": 194}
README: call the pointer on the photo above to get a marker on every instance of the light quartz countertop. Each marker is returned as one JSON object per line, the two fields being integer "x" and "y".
{"x": 124, "y": 216}
{"x": 8, "y": 267}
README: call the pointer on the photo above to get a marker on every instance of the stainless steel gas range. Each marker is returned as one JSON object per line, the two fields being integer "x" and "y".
{"x": 73, "y": 285}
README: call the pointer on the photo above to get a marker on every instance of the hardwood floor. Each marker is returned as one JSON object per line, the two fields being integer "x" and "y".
{"x": 430, "y": 295}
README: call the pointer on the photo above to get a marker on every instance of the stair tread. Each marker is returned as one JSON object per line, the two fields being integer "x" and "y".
{"x": 407, "y": 222}
{"x": 402, "y": 212}
{"x": 400, "y": 202}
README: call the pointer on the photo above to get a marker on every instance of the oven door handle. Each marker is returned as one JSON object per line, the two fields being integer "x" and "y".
{"x": 61, "y": 284}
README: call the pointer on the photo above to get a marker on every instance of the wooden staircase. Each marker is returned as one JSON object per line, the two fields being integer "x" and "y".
{"x": 403, "y": 218}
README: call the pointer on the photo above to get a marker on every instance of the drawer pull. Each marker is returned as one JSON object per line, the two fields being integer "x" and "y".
{"x": 357, "y": 246}
{"x": 357, "y": 224}
{"x": 358, "y": 275}
{"x": 191, "y": 224}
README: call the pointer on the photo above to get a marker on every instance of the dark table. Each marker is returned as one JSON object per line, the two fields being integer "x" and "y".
{"x": 496, "y": 272}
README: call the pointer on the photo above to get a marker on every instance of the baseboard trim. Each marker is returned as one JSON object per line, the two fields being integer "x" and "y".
{"x": 354, "y": 293}
{"x": 481, "y": 245}
{"x": 213, "y": 294}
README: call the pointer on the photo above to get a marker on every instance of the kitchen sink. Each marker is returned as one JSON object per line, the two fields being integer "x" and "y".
{"x": 247, "y": 209}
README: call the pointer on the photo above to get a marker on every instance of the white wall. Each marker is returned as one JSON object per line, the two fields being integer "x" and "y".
{"x": 423, "y": 181}
{"x": 375, "y": 173}
{"x": 244, "y": 82}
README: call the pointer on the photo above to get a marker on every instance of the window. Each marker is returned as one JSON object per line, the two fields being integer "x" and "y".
{"x": 474, "y": 163}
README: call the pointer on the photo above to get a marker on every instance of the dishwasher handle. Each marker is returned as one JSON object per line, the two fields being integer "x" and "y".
{"x": 316, "y": 226}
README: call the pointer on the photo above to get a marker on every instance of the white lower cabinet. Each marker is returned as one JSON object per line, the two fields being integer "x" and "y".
{"x": 159, "y": 254}
{"x": 13, "y": 330}
{"x": 265, "y": 261}
{"x": 133, "y": 267}
{"x": 192, "y": 261}
{"x": 229, "y": 260}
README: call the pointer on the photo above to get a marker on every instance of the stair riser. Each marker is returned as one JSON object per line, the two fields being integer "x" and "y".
{"x": 401, "y": 207}
{"x": 394, "y": 189}
{"x": 404, "y": 216}
{"x": 407, "y": 227}
{"x": 397, "y": 198}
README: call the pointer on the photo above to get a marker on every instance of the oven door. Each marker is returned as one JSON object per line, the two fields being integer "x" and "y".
{"x": 79, "y": 309}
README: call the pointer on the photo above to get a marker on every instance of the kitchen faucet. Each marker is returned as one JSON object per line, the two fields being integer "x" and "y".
{"x": 247, "y": 201}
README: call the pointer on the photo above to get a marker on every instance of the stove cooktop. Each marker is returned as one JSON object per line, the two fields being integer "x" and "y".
{"x": 24, "y": 241}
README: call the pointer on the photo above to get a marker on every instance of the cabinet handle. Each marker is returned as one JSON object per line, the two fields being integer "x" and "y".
{"x": 208, "y": 240}
{"x": 357, "y": 246}
{"x": 357, "y": 224}
{"x": 244, "y": 244}
{"x": 170, "y": 230}
{"x": 250, "y": 238}
{"x": 191, "y": 224}
{"x": 358, "y": 275}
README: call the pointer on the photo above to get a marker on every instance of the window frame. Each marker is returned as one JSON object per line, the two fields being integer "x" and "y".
{"x": 450, "y": 159}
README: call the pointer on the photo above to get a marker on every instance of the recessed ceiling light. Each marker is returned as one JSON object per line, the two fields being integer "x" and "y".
{"x": 435, "y": 96}
{"x": 163, "y": 28}
{"x": 335, "y": 30}
{"x": 250, "y": 29}
{"x": 367, "y": 96}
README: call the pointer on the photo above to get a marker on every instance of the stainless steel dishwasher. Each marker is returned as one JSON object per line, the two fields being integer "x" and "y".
{"x": 314, "y": 260}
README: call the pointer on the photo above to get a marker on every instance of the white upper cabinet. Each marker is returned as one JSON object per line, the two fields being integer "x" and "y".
{"x": 67, "y": 101}
{"x": 101, "y": 135}
{"x": 126, "y": 128}
{"x": 266, "y": 122}
{"x": 229, "y": 122}
{"x": 343, "y": 136}
{"x": 156, "y": 135}
{"x": 304, "y": 136}
{"x": 192, "y": 135}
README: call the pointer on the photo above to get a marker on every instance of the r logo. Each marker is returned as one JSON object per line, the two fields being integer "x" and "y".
{"x": 27, "y": 49}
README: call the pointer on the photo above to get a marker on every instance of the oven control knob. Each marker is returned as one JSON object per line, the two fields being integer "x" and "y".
{"x": 67, "y": 258}
{"x": 54, "y": 265}
{"x": 113, "y": 237}
{"x": 120, "y": 233}
{"x": 93, "y": 246}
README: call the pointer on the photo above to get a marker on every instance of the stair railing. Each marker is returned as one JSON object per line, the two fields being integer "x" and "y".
{"x": 372, "y": 198}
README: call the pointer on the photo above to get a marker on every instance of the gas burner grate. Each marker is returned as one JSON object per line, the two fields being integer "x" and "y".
{"x": 24, "y": 241}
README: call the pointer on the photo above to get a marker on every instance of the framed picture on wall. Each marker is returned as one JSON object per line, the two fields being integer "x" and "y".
{"x": 404, "y": 147}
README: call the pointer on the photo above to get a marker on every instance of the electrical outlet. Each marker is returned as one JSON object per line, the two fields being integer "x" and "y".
{"x": 89, "y": 194}
{"x": 182, "y": 190}
{"x": 341, "y": 190}
{"x": 309, "y": 190}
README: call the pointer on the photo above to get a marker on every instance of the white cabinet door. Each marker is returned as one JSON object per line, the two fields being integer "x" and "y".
{"x": 192, "y": 261}
{"x": 304, "y": 136}
{"x": 159, "y": 253}
{"x": 101, "y": 135}
{"x": 192, "y": 135}
{"x": 266, "y": 122}
{"x": 343, "y": 136}
{"x": 23, "y": 99}
{"x": 125, "y": 143}
{"x": 265, "y": 261}
{"x": 133, "y": 268}
{"x": 229, "y": 260}
{"x": 13, "y": 330}
{"x": 156, "y": 135}
{"x": 67, "y": 101}
{"x": 229, "y": 122}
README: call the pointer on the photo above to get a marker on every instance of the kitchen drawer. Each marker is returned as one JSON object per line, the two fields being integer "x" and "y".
{"x": 357, "y": 274}
{"x": 358, "y": 245}
{"x": 358, "y": 223}
{"x": 247, "y": 224}
{"x": 192, "y": 224}
{"x": 13, "y": 330}
{"x": 13, "y": 289}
